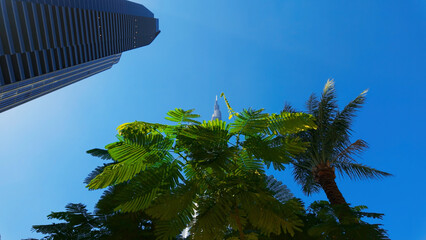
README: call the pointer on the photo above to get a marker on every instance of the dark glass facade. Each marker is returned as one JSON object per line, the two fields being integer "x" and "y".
{"x": 49, "y": 44}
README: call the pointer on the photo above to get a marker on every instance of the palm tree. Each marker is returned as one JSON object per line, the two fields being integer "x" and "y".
{"x": 213, "y": 168}
{"x": 330, "y": 147}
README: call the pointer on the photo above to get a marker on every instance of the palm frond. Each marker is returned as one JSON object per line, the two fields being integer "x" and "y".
{"x": 182, "y": 116}
{"x": 312, "y": 105}
{"x": 288, "y": 108}
{"x": 340, "y": 129}
{"x": 353, "y": 150}
{"x": 327, "y": 107}
{"x": 359, "y": 171}
{"x": 302, "y": 173}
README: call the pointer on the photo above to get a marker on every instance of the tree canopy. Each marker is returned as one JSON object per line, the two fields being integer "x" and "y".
{"x": 208, "y": 175}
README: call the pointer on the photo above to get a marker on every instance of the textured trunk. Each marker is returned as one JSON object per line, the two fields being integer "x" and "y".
{"x": 325, "y": 176}
{"x": 240, "y": 227}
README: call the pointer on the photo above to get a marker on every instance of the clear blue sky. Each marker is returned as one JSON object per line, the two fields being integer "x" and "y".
{"x": 261, "y": 54}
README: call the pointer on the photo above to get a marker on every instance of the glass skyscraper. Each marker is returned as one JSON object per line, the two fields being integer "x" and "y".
{"x": 48, "y": 44}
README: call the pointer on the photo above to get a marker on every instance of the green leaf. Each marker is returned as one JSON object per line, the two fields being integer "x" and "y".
{"x": 250, "y": 122}
{"x": 133, "y": 155}
{"x": 290, "y": 123}
{"x": 180, "y": 116}
{"x": 100, "y": 153}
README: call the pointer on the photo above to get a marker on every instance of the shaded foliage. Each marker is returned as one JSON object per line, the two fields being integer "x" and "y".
{"x": 208, "y": 176}
{"x": 77, "y": 223}
{"x": 320, "y": 222}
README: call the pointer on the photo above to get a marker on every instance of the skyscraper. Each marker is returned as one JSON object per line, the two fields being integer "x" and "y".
{"x": 48, "y": 44}
{"x": 216, "y": 114}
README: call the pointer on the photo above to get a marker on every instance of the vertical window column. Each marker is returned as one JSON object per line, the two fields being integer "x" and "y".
{"x": 74, "y": 14}
{"x": 6, "y": 35}
{"x": 90, "y": 42}
{"x": 87, "y": 36}
{"x": 7, "y": 69}
{"x": 81, "y": 34}
{"x": 15, "y": 26}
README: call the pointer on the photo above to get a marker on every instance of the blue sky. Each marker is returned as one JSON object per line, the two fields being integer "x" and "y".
{"x": 261, "y": 54}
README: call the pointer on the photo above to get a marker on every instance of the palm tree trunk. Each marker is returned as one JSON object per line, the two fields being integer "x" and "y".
{"x": 240, "y": 227}
{"x": 325, "y": 177}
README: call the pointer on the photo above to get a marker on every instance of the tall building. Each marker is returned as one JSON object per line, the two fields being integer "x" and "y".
{"x": 48, "y": 44}
{"x": 216, "y": 114}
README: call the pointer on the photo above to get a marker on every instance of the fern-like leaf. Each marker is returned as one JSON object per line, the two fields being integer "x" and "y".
{"x": 180, "y": 116}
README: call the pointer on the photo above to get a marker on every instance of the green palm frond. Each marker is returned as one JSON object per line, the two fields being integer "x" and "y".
{"x": 288, "y": 108}
{"x": 340, "y": 129}
{"x": 250, "y": 122}
{"x": 345, "y": 162}
{"x": 359, "y": 171}
{"x": 327, "y": 107}
{"x": 312, "y": 105}
{"x": 303, "y": 175}
{"x": 182, "y": 116}
{"x": 349, "y": 153}
{"x": 343, "y": 119}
